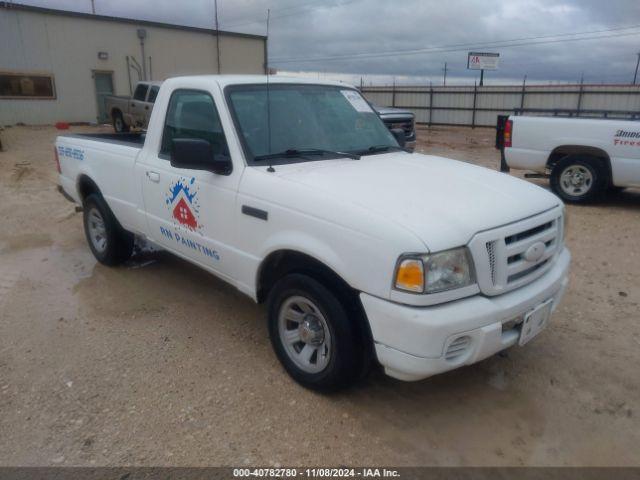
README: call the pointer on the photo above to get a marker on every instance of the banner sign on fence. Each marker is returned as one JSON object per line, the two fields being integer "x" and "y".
{"x": 482, "y": 61}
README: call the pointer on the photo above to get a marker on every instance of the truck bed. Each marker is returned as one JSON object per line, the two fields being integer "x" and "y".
{"x": 130, "y": 139}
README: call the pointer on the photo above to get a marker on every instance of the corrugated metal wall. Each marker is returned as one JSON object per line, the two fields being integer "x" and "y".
{"x": 479, "y": 106}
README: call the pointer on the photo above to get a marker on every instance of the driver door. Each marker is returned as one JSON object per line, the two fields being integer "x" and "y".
{"x": 191, "y": 212}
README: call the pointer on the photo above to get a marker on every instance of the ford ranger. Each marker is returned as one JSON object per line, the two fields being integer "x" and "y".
{"x": 296, "y": 193}
{"x": 583, "y": 157}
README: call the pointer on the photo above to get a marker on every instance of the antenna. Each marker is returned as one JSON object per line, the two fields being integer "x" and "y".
{"x": 266, "y": 60}
{"x": 215, "y": 6}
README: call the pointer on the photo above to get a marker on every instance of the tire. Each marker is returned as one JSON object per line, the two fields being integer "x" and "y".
{"x": 119, "y": 124}
{"x": 108, "y": 241}
{"x": 578, "y": 179}
{"x": 314, "y": 320}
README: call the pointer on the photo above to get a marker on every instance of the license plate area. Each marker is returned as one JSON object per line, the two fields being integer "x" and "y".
{"x": 535, "y": 321}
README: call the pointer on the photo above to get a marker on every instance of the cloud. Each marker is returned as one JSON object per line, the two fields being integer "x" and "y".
{"x": 339, "y": 32}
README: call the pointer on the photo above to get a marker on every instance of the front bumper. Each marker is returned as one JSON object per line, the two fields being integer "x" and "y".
{"x": 411, "y": 343}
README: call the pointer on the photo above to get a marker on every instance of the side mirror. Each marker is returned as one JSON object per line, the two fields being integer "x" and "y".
{"x": 398, "y": 134}
{"x": 197, "y": 154}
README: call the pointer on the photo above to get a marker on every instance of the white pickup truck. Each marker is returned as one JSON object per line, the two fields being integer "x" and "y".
{"x": 295, "y": 192}
{"x": 584, "y": 157}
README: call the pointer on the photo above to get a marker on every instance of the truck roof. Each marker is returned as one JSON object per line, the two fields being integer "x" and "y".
{"x": 224, "y": 80}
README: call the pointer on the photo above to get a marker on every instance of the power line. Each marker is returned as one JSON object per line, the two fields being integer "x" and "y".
{"x": 292, "y": 11}
{"x": 290, "y": 7}
{"x": 463, "y": 46}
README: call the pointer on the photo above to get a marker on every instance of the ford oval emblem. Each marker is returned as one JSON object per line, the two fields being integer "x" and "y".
{"x": 534, "y": 252}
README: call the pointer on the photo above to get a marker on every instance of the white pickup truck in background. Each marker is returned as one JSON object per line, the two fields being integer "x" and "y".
{"x": 295, "y": 192}
{"x": 584, "y": 157}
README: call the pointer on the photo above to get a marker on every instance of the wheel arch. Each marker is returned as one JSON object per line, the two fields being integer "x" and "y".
{"x": 597, "y": 153}
{"x": 282, "y": 262}
{"x": 86, "y": 186}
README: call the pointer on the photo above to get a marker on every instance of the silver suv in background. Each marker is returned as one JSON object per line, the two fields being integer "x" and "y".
{"x": 132, "y": 112}
{"x": 397, "y": 118}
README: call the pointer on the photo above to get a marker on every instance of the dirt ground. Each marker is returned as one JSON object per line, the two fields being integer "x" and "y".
{"x": 159, "y": 363}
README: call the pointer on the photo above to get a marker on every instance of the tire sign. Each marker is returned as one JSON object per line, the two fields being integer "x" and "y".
{"x": 482, "y": 61}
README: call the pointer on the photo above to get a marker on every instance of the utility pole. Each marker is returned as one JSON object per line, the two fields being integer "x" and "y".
{"x": 444, "y": 80}
{"x": 482, "y": 77}
{"x": 215, "y": 6}
{"x": 93, "y": 7}
{"x": 635, "y": 75}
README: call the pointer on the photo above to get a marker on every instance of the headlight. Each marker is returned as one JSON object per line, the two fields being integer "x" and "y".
{"x": 435, "y": 272}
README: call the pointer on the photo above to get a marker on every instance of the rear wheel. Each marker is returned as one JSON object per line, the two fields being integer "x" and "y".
{"x": 108, "y": 241}
{"x": 312, "y": 334}
{"x": 578, "y": 179}
{"x": 119, "y": 124}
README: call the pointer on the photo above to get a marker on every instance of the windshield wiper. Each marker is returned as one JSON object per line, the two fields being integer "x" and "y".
{"x": 294, "y": 152}
{"x": 379, "y": 148}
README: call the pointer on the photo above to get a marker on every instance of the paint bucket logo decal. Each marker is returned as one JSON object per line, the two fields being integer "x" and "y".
{"x": 182, "y": 201}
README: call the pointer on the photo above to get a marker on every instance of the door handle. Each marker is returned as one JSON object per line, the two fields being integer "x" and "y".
{"x": 133, "y": 104}
{"x": 153, "y": 176}
{"x": 147, "y": 107}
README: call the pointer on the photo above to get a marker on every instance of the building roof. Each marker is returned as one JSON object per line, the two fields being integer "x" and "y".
{"x": 67, "y": 13}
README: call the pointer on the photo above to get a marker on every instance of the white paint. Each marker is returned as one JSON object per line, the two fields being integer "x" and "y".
{"x": 356, "y": 217}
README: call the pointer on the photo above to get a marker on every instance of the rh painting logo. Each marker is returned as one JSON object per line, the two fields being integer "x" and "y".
{"x": 184, "y": 206}
{"x": 183, "y": 203}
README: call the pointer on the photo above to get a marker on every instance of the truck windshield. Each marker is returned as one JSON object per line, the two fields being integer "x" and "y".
{"x": 303, "y": 118}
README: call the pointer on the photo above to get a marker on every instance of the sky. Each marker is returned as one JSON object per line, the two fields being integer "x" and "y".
{"x": 409, "y": 41}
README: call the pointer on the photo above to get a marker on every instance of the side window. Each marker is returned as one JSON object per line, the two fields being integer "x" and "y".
{"x": 193, "y": 114}
{"x": 140, "y": 92}
{"x": 153, "y": 94}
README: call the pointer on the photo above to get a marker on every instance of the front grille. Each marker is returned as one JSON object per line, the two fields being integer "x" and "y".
{"x": 407, "y": 126}
{"x": 514, "y": 255}
{"x": 491, "y": 251}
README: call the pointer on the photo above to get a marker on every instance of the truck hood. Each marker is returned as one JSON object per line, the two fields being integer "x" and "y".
{"x": 443, "y": 202}
{"x": 391, "y": 111}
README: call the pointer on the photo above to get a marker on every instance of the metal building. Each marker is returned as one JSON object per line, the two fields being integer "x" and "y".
{"x": 58, "y": 65}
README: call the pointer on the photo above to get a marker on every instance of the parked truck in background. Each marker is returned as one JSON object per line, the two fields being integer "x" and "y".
{"x": 132, "y": 112}
{"x": 296, "y": 193}
{"x": 399, "y": 118}
{"x": 583, "y": 157}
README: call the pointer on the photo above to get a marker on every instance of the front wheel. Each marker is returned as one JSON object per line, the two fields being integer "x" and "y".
{"x": 312, "y": 334}
{"x": 578, "y": 179}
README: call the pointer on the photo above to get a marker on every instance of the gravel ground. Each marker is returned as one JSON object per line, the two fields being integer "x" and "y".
{"x": 159, "y": 363}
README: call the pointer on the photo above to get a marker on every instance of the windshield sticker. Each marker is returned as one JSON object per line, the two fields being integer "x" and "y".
{"x": 356, "y": 101}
